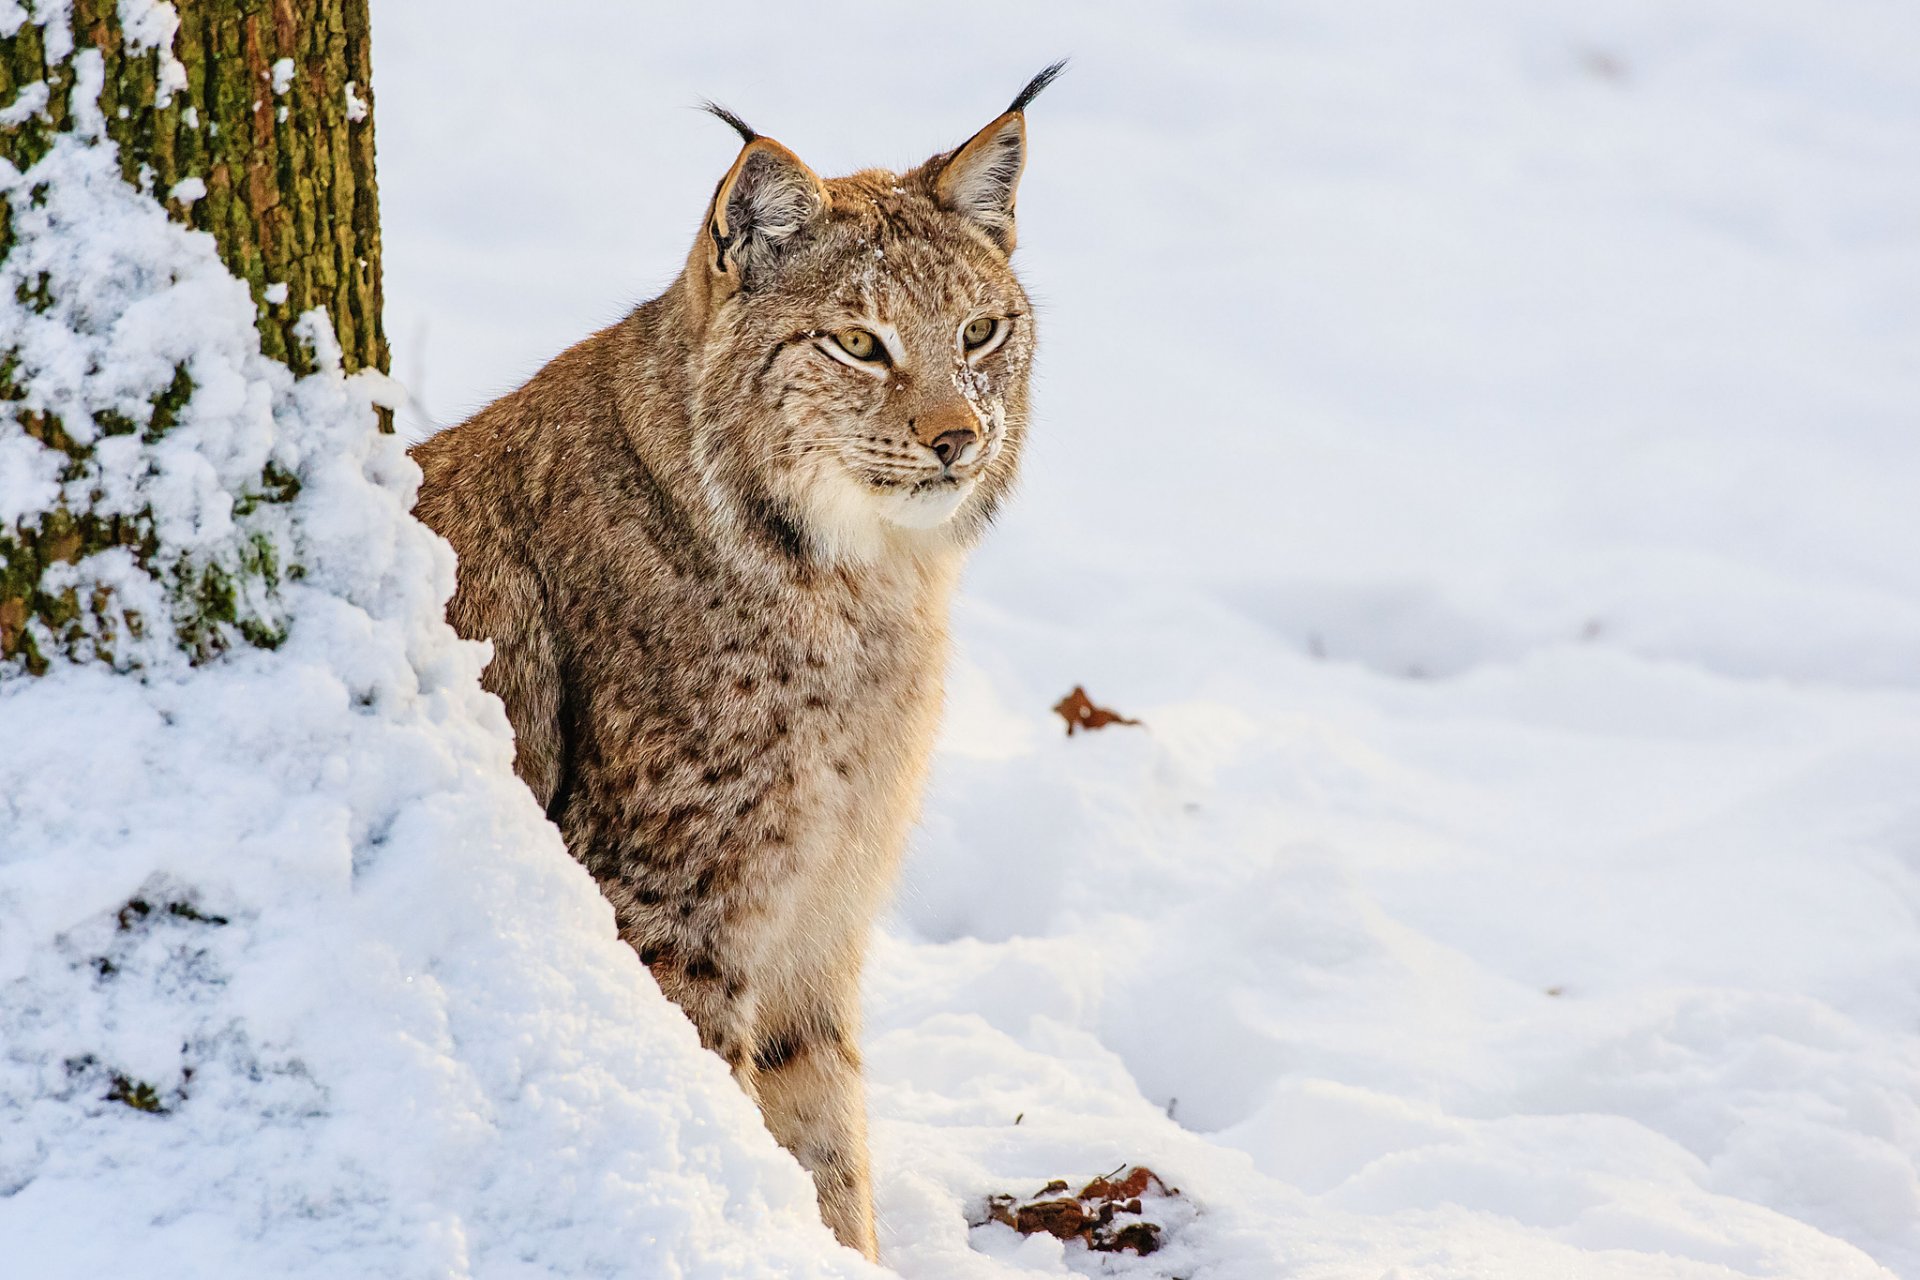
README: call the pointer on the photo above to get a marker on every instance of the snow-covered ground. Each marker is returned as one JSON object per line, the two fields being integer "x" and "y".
{"x": 1478, "y": 440}
{"x": 1481, "y": 442}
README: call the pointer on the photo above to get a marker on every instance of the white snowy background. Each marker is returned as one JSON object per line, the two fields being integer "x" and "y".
{"x": 1482, "y": 442}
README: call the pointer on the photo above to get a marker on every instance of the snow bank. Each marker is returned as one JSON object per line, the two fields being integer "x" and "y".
{"x": 295, "y": 978}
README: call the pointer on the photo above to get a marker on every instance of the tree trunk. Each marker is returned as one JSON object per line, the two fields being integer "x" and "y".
{"x": 275, "y": 121}
{"x": 251, "y": 122}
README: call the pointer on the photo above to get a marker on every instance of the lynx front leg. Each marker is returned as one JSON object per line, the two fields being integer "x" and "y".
{"x": 807, "y": 1074}
{"x": 717, "y": 1003}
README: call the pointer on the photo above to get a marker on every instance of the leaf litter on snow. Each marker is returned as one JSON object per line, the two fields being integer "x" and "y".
{"x": 1109, "y": 1215}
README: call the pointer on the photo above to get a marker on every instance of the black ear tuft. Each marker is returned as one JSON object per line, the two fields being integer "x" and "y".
{"x": 746, "y": 130}
{"x": 1034, "y": 86}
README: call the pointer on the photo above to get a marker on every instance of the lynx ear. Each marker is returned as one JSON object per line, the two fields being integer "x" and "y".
{"x": 982, "y": 179}
{"x": 766, "y": 198}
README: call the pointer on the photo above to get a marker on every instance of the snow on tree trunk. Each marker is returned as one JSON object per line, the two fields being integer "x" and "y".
{"x": 251, "y": 124}
{"x": 295, "y": 978}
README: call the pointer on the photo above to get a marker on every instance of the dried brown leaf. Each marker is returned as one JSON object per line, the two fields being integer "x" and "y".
{"x": 1080, "y": 712}
{"x": 1061, "y": 1219}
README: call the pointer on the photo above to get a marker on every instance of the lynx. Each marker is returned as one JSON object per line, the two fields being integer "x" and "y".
{"x": 713, "y": 546}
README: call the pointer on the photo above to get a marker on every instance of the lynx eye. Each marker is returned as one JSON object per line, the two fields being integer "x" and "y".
{"x": 860, "y": 344}
{"x": 979, "y": 332}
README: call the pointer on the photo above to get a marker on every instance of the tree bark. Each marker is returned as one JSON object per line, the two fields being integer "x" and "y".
{"x": 287, "y": 162}
{"x": 254, "y": 124}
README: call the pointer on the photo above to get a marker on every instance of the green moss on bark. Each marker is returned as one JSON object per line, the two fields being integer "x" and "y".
{"x": 290, "y": 201}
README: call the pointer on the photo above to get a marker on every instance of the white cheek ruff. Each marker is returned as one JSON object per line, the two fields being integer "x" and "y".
{"x": 925, "y": 509}
{"x": 854, "y": 522}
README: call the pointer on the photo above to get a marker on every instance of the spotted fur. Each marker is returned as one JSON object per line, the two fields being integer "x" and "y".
{"x": 714, "y": 558}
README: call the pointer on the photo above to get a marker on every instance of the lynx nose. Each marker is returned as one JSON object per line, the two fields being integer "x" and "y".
{"x": 949, "y": 445}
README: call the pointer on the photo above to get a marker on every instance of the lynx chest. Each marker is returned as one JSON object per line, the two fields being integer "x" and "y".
{"x": 753, "y": 752}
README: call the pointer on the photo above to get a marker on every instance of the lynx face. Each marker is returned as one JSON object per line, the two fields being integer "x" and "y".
{"x": 868, "y": 347}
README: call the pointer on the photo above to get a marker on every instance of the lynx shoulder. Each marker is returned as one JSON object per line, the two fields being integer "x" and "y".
{"x": 713, "y": 547}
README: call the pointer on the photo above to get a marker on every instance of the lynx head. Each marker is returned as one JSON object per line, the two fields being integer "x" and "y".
{"x": 863, "y": 345}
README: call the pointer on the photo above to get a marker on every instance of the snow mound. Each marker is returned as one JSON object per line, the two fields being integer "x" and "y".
{"x": 295, "y": 978}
